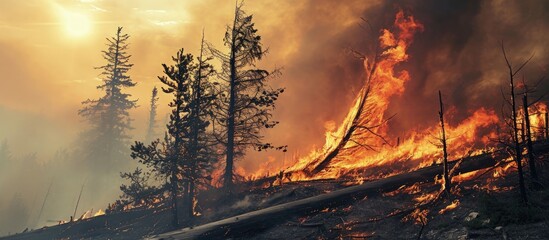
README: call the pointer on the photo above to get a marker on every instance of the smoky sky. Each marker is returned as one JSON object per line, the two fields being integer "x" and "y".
{"x": 45, "y": 73}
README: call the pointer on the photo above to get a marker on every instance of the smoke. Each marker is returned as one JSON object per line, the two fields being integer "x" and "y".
{"x": 460, "y": 54}
{"x": 44, "y": 75}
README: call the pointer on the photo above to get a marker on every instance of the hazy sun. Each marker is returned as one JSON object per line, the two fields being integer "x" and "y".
{"x": 76, "y": 24}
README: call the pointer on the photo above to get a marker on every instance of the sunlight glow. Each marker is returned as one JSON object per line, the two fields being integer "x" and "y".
{"x": 76, "y": 24}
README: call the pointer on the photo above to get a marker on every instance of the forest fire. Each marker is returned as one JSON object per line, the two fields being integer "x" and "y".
{"x": 361, "y": 138}
{"x": 361, "y": 143}
{"x": 207, "y": 156}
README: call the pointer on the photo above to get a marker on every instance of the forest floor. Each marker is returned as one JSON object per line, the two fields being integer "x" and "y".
{"x": 486, "y": 207}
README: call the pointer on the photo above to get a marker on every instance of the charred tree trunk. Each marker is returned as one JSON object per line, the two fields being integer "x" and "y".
{"x": 316, "y": 166}
{"x": 517, "y": 147}
{"x": 77, "y": 202}
{"x": 173, "y": 184}
{"x": 313, "y": 168}
{"x": 522, "y": 131}
{"x": 189, "y": 208}
{"x": 445, "y": 153}
{"x": 531, "y": 158}
{"x": 228, "y": 175}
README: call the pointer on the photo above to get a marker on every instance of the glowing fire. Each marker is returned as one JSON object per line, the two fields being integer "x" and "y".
{"x": 452, "y": 206}
{"x": 99, "y": 213}
{"x": 417, "y": 150}
{"x": 355, "y": 147}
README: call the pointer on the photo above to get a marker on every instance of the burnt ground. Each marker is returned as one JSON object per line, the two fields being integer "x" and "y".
{"x": 482, "y": 212}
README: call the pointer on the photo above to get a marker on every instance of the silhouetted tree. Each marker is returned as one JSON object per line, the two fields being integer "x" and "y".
{"x": 186, "y": 155}
{"x": 152, "y": 116}
{"x": 517, "y": 149}
{"x": 245, "y": 100}
{"x": 176, "y": 82}
{"x": 200, "y": 144}
{"x": 443, "y": 141}
{"x": 139, "y": 190}
{"x": 109, "y": 115}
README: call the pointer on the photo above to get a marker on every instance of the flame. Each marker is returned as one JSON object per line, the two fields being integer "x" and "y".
{"x": 466, "y": 176}
{"x": 452, "y": 206}
{"x": 417, "y": 149}
{"x": 536, "y": 115}
{"x": 99, "y": 213}
{"x": 362, "y": 155}
{"x": 385, "y": 83}
{"x": 418, "y": 216}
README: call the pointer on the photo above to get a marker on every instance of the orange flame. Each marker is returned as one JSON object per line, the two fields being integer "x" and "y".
{"x": 452, "y": 206}
{"x": 419, "y": 148}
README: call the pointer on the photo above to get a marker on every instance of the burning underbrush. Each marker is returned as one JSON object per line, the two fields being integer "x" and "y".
{"x": 469, "y": 211}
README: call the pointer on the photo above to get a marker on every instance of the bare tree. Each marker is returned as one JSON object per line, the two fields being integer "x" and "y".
{"x": 517, "y": 150}
{"x": 443, "y": 141}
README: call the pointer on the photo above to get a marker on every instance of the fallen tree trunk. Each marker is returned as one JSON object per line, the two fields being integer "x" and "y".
{"x": 256, "y": 220}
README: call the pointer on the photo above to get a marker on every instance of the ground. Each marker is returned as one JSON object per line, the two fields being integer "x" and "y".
{"x": 487, "y": 207}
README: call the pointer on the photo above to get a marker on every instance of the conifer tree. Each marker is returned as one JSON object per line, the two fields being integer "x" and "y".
{"x": 109, "y": 115}
{"x": 186, "y": 155}
{"x": 152, "y": 116}
{"x": 200, "y": 145}
{"x": 245, "y": 100}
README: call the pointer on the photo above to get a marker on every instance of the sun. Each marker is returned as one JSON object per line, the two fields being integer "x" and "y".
{"x": 76, "y": 24}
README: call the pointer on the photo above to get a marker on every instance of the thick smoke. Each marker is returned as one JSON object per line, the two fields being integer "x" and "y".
{"x": 44, "y": 76}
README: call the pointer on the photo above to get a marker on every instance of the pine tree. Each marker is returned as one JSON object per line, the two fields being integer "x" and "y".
{"x": 200, "y": 145}
{"x": 245, "y": 100}
{"x": 168, "y": 160}
{"x": 186, "y": 155}
{"x": 177, "y": 83}
{"x": 152, "y": 116}
{"x": 109, "y": 115}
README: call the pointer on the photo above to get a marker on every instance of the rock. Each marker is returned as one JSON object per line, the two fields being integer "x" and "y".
{"x": 498, "y": 228}
{"x": 456, "y": 233}
{"x": 486, "y": 222}
{"x": 431, "y": 234}
{"x": 471, "y": 216}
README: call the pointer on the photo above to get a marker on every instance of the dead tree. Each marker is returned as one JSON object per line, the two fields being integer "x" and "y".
{"x": 77, "y": 202}
{"x": 514, "y": 128}
{"x": 531, "y": 158}
{"x": 443, "y": 141}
